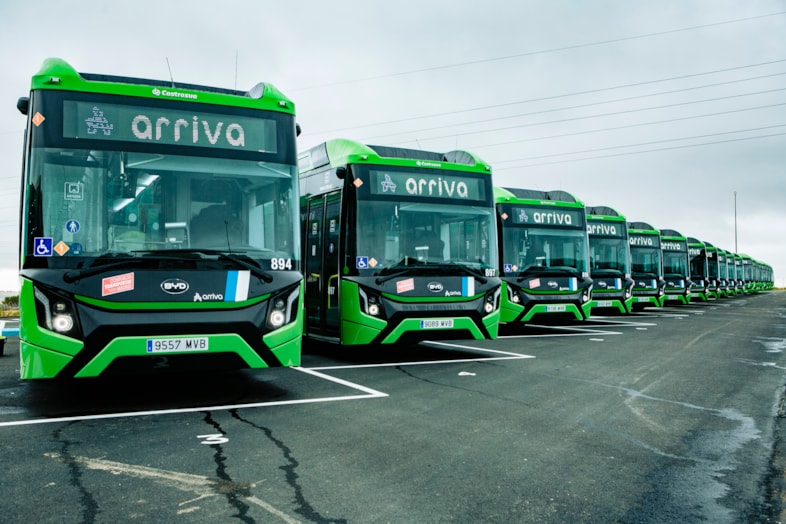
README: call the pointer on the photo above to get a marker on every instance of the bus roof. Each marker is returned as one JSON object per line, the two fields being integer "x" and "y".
{"x": 57, "y": 74}
{"x": 642, "y": 227}
{"x": 603, "y": 211}
{"x": 671, "y": 233}
{"x": 342, "y": 151}
{"x": 507, "y": 193}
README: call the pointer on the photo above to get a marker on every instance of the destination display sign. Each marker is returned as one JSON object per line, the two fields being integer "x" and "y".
{"x": 427, "y": 183}
{"x": 668, "y": 245}
{"x": 159, "y": 125}
{"x": 644, "y": 241}
{"x": 538, "y": 216}
{"x": 606, "y": 229}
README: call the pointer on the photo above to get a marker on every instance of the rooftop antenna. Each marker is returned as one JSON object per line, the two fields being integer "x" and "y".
{"x": 236, "y": 53}
{"x": 170, "y": 72}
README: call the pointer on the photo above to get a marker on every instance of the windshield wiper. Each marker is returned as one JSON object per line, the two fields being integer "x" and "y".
{"x": 220, "y": 255}
{"x": 406, "y": 265}
{"x": 427, "y": 268}
{"x": 469, "y": 270}
{"x": 255, "y": 270}
{"x": 76, "y": 274}
{"x": 533, "y": 270}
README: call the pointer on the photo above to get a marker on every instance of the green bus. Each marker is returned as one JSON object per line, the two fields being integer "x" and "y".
{"x": 159, "y": 227}
{"x": 725, "y": 261}
{"x": 612, "y": 284}
{"x": 739, "y": 276}
{"x": 699, "y": 270}
{"x": 713, "y": 270}
{"x": 748, "y": 284}
{"x": 544, "y": 255}
{"x": 646, "y": 264}
{"x": 399, "y": 245}
{"x": 676, "y": 266}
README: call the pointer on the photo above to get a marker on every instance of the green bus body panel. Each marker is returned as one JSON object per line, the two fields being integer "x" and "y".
{"x": 286, "y": 343}
{"x": 137, "y": 347}
{"x": 58, "y": 74}
{"x": 162, "y": 306}
{"x": 43, "y": 353}
{"x": 359, "y": 328}
{"x": 356, "y": 327}
{"x": 624, "y": 306}
{"x": 413, "y": 324}
{"x": 33, "y": 335}
{"x": 38, "y": 362}
{"x": 509, "y": 311}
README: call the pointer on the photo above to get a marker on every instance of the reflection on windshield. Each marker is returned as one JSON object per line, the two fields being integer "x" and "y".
{"x": 533, "y": 250}
{"x": 394, "y": 234}
{"x": 645, "y": 260}
{"x": 675, "y": 262}
{"x": 108, "y": 202}
{"x": 609, "y": 255}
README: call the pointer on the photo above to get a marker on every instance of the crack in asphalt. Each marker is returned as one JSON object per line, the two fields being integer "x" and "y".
{"x": 304, "y": 508}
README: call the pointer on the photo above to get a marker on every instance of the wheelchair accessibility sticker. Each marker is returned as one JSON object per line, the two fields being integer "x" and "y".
{"x": 42, "y": 246}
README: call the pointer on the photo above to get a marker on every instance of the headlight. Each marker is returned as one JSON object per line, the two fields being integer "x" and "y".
{"x": 282, "y": 308}
{"x": 371, "y": 303}
{"x": 56, "y": 313}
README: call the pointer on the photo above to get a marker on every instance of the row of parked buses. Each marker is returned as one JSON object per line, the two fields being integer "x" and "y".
{"x": 169, "y": 227}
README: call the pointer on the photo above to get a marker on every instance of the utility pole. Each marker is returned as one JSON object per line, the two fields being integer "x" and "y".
{"x": 735, "y": 223}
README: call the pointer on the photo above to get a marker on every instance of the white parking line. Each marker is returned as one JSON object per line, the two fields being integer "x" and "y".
{"x": 368, "y": 393}
{"x": 510, "y": 356}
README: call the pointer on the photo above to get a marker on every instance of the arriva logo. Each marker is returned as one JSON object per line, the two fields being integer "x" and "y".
{"x": 642, "y": 241}
{"x": 174, "y": 286}
{"x": 436, "y": 187}
{"x": 144, "y": 129}
{"x": 602, "y": 229}
{"x": 552, "y": 217}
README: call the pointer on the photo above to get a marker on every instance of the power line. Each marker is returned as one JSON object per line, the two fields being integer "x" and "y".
{"x": 543, "y": 51}
{"x": 709, "y": 135}
{"x": 616, "y": 128}
{"x": 554, "y": 97}
{"x": 614, "y": 113}
{"x": 580, "y": 106}
{"x": 639, "y": 152}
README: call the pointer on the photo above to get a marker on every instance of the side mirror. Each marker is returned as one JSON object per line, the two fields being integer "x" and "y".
{"x": 23, "y": 104}
{"x": 341, "y": 172}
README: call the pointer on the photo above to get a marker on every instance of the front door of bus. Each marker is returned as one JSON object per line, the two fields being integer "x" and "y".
{"x": 322, "y": 265}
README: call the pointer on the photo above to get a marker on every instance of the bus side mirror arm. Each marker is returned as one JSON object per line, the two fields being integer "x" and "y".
{"x": 23, "y": 104}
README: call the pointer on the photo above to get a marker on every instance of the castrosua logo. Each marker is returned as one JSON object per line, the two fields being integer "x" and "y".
{"x": 174, "y": 94}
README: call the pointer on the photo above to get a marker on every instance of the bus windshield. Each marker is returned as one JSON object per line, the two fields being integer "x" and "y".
{"x": 609, "y": 255}
{"x": 646, "y": 260}
{"x": 528, "y": 249}
{"x": 100, "y": 191}
{"x": 392, "y": 233}
{"x": 112, "y": 202}
{"x": 675, "y": 263}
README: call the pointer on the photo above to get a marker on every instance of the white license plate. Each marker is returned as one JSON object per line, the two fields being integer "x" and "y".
{"x": 604, "y": 303}
{"x": 559, "y": 308}
{"x": 642, "y": 299}
{"x": 442, "y": 323}
{"x": 169, "y": 345}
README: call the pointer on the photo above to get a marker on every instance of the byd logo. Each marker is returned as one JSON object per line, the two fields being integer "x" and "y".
{"x": 434, "y": 287}
{"x": 174, "y": 286}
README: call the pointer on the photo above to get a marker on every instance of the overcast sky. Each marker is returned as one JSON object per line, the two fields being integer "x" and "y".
{"x": 661, "y": 109}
